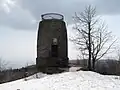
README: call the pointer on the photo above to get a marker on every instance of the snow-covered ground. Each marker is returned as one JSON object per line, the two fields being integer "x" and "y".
{"x": 81, "y": 80}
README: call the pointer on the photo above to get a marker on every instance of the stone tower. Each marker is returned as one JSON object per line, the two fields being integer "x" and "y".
{"x": 52, "y": 44}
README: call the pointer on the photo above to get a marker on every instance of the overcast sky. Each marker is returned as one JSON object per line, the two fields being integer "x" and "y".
{"x": 19, "y": 21}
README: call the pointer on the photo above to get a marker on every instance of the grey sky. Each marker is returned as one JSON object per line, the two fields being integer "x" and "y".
{"x": 19, "y": 20}
{"x": 24, "y": 13}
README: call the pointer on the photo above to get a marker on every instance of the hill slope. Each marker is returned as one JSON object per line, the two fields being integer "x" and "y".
{"x": 82, "y": 80}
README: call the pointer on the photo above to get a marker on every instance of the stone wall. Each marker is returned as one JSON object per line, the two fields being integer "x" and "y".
{"x": 49, "y": 29}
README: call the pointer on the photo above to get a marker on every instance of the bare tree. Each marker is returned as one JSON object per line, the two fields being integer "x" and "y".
{"x": 91, "y": 36}
{"x": 3, "y": 64}
{"x": 117, "y": 49}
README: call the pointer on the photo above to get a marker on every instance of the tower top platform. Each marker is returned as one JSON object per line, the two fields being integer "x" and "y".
{"x": 50, "y": 16}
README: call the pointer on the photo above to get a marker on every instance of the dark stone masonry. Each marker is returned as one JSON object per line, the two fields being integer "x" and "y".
{"x": 52, "y": 43}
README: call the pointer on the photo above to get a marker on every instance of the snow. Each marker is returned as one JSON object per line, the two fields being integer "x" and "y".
{"x": 73, "y": 69}
{"x": 74, "y": 80}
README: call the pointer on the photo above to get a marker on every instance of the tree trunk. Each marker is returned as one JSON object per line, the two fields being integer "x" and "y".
{"x": 89, "y": 61}
{"x": 93, "y": 64}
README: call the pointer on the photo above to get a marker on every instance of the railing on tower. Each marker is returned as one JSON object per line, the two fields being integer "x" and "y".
{"x": 52, "y": 16}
